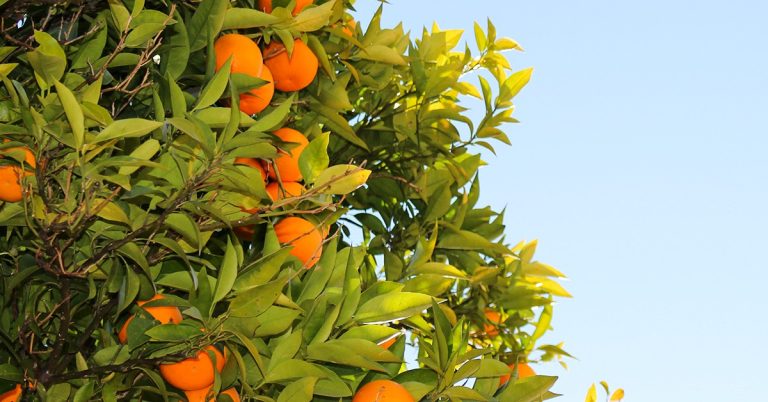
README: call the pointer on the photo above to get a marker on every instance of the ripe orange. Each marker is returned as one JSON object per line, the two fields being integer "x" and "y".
{"x": 201, "y": 395}
{"x": 306, "y": 239}
{"x": 523, "y": 370}
{"x": 245, "y": 54}
{"x": 10, "y": 183}
{"x": 29, "y": 157}
{"x": 12, "y": 395}
{"x": 291, "y": 73}
{"x": 193, "y": 373}
{"x": 257, "y": 99}
{"x": 382, "y": 391}
{"x": 266, "y": 5}
{"x": 289, "y": 189}
{"x": 164, "y": 314}
{"x": 494, "y": 317}
{"x": 287, "y": 163}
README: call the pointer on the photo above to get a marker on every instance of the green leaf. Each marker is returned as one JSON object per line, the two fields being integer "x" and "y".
{"x": 110, "y": 211}
{"x": 383, "y": 54}
{"x": 298, "y": 391}
{"x": 227, "y": 273}
{"x": 84, "y": 393}
{"x": 174, "y": 54}
{"x": 314, "y": 159}
{"x": 339, "y": 354}
{"x": 261, "y": 271}
{"x": 120, "y": 15}
{"x": 545, "y": 319}
{"x": 312, "y": 18}
{"x": 184, "y": 225}
{"x": 73, "y": 111}
{"x": 527, "y": 389}
{"x": 341, "y": 179}
{"x": 48, "y": 61}
{"x": 219, "y": 117}
{"x": 392, "y": 306}
{"x": 439, "y": 268}
{"x": 10, "y": 372}
{"x": 254, "y": 301}
{"x": 127, "y": 128}
{"x": 139, "y": 36}
{"x": 146, "y": 151}
{"x": 214, "y": 88}
{"x": 338, "y": 124}
{"x": 275, "y": 118}
{"x": 244, "y": 18}
{"x": 58, "y": 393}
{"x": 206, "y": 22}
{"x": 91, "y": 50}
{"x": 132, "y": 251}
{"x": 115, "y": 354}
{"x": 462, "y": 394}
{"x": 287, "y": 348}
{"x": 173, "y": 332}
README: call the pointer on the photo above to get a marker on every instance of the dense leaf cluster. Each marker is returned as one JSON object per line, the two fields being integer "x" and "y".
{"x": 135, "y": 192}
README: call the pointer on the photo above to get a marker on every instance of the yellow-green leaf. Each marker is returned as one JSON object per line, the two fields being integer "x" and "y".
{"x": 126, "y": 128}
{"x": 73, "y": 111}
{"x": 591, "y": 394}
{"x": 341, "y": 179}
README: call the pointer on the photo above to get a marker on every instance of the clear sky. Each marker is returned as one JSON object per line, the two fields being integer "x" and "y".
{"x": 641, "y": 165}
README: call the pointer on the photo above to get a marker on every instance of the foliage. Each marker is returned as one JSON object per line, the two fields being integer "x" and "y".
{"x": 136, "y": 192}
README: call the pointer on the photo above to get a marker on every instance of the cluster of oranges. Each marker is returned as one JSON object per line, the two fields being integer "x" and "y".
{"x": 282, "y": 179}
{"x": 282, "y": 176}
{"x": 195, "y": 375}
{"x": 279, "y": 70}
{"x": 11, "y": 175}
{"x": 491, "y": 330}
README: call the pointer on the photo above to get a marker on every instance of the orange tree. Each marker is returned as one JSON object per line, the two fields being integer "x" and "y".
{"x": 143, "y": 258}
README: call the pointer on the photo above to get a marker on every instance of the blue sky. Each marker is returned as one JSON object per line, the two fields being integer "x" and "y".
{"x": 640, "y": 165}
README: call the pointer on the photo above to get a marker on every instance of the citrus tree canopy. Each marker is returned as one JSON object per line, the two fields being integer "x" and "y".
{"x": 265, "y": 200}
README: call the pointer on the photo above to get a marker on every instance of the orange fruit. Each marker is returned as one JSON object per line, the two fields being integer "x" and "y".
{"x": 12, "y": 395}
{"x": 494, "y": 317}
{"x": 291, "y": 73}
{"x": 288, "y": 189}
{"x": 164, "y": 314}
{"x": 257, "y": 99}
{"x": 382, "y": 391}
{"x": 304, "y": 236}
{"x": 29, "y": 157}
{"x": 523, "y": 370}
{"x": 266, "y": 5}
{"x": 10, "y": 183}
{"x": 244, "y": 52}
{"x": 287, "y": 163}
{"x": 194, "y": 373}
